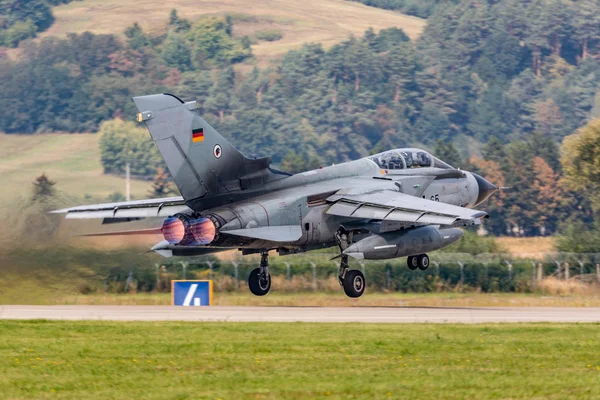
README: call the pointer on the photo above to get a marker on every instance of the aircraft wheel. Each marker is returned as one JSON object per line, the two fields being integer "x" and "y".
{"x": 354, "y": 283}
{"x": 258, "y": 283}
{"x": 413, "y": 262}
{"x": 423, "y": 261}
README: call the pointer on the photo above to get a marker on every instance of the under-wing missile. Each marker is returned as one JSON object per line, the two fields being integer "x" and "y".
{"x": 403, "y": 243}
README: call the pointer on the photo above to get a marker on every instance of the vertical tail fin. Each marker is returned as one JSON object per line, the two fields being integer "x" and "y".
{"x": 200, "y": 160}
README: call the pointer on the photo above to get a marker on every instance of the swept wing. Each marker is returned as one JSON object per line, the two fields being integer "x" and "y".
{"x": 389, "y": 205}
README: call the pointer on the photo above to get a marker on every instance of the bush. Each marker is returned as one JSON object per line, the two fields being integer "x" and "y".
{"x": 269, "y": 35}
{"x": 19, "y": 31}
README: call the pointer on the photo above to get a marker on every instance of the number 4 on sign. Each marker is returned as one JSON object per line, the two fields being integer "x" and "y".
{"x": 190, "y": 294}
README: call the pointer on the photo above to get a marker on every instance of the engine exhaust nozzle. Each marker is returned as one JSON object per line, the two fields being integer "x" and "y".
{"x": 186, "y": 230}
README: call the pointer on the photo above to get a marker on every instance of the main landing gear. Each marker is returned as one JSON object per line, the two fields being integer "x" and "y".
{"x": 353, "y": 281}
{"x": 259, "y": 280}
{"x": 420, "y": 261}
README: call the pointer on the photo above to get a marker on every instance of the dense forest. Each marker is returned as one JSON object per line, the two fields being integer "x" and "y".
{"x": 417, "y": 8}
{"x": 23, "y": 19}
{"x": 491, "y": 86}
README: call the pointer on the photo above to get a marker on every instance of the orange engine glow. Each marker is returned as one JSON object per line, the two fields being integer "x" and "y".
{"x": 189, "y": 231}
{"x": 173, "y": 230}
{"x": 203, "y": 230}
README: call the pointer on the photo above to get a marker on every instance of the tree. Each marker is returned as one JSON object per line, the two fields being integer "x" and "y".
{"x": 136, "y": 38}
{"x": 43, "y": 188}
{"x": 178, "y": 24}
{"x": 123, "y": 142}
{"x": 495, "y": 206}
{"x": 550, "y": 196}
{"x": 162, "y": 185}
{"x": 432, "y": 124}
{"x": 581, "y": 161}
{"x": 587, "y": 24}
{"x": 446, "y": 152}
{"x": 176, "y": 53}
{"x": 212, "y": 44}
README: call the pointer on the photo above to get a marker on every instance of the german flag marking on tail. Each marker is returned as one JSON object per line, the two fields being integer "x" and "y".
{"x": 198, "y": 135}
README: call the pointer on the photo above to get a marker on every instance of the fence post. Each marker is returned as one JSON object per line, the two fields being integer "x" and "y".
{"x": 509, "y": 270}
{"x": 598, "y": 272}
{"x": 533, "y": 273}
{"x": 462, "y": 272}
{"x": 288, "y": 270}
{"x": 210, "y": 267}
{"x": 235, "y": 273}
{"x": 487, "y": 269}
{"x": 314, "y": 268}
{"x": 437, "y": 268}
{"x": 362, "y": 267}
{"x": 567, "y": 271}
{"x": 157, "y": 276}
{"x": 580, "y": 268}
{"x": 558, "y": 269}
{"x": 540, "y": 272}
{"x": 388, "y": 276}
{"x": 184, "y": 266}
{"x": 129, "y": 282}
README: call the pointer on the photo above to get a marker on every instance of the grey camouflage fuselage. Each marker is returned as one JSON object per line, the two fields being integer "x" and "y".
{"x": 392, "y": 204}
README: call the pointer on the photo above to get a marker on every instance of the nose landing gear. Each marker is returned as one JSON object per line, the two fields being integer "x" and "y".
{"x": 259, "y": 280}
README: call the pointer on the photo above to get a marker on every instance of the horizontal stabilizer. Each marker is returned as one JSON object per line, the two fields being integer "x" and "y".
{"x": 127, "y": 210}
{"x": 152, "y": 231}
{"x": 284, "y": 233}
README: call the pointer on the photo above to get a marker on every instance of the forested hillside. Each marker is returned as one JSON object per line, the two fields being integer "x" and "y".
{"x": 418, "y": 8}
{"x": 489, "y": 85}
{"x": 23, "y": 19}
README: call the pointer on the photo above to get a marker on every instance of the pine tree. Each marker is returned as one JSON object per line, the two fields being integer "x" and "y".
{"x": 43, "y": 188}
{"x": 176, "y": 53}
{"x": 586, "y": 22}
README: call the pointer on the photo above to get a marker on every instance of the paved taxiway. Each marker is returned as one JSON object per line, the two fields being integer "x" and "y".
{"x": 304, "y": 314}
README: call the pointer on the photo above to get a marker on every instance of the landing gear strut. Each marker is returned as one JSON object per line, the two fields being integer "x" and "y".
{"x": 353, "y": 281}
{"x": 420, "y": 261}
{"x": 259, "y": 280}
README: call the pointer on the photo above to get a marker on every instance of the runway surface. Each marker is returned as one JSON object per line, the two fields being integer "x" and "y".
{"x": 304, "y": 314}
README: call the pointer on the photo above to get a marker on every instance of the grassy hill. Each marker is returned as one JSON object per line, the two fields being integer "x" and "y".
{"x": 300, "y": 21}
{"x": 72, "y": 161}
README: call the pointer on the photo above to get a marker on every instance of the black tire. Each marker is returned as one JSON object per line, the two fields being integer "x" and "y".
{"x": 354, "y": 283}
{"x": 258, "y": 286}
{"x": 423, "y": 262}
{"x": 412, "y": 262}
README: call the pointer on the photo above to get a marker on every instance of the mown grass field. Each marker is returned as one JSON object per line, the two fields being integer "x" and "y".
{"x": 71, "y": 160}
{"x": 125, "y": 360}
{"x": 301, "y": 21}
{"x": 50, "y": 296}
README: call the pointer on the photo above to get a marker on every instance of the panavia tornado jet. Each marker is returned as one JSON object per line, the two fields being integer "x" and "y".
{"x": 399, "y": 203}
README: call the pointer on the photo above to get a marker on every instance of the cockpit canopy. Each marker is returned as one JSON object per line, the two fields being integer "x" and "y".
{"x": 407, "y": 159}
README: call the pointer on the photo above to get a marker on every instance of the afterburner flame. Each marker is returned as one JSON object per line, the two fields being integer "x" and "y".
{"x": 181, "y": 229}
{"x": 203, "y": 230}
{"x": 173, "y": 230}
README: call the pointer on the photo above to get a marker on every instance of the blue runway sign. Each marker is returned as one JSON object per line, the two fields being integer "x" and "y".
{"x": 191, "y": 293}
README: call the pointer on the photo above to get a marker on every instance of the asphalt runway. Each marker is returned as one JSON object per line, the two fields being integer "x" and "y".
{"x": 303, "y": 314}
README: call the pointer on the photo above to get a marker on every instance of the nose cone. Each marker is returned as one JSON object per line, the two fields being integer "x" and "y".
{"x": 486, "y": 189}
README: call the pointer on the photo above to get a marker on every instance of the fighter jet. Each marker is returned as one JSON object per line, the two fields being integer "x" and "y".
{"x": 399, "y": 203}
